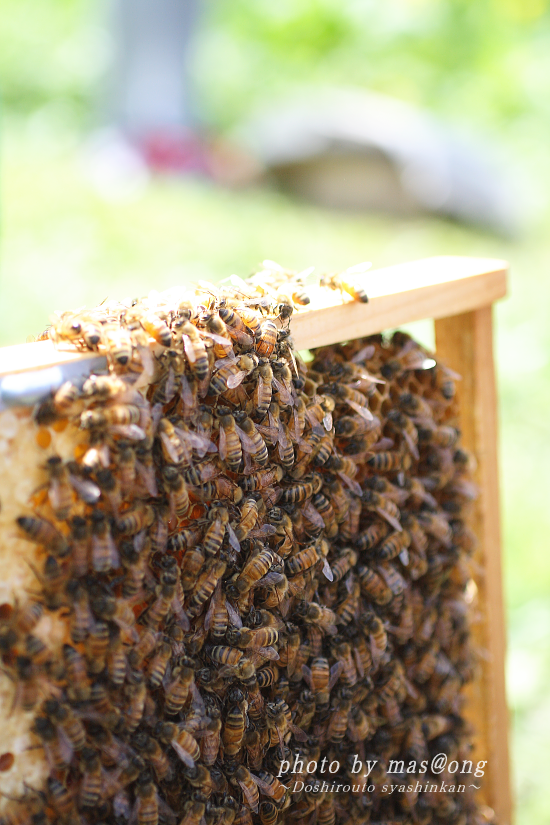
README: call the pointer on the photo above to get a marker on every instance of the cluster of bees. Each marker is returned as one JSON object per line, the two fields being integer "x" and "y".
{"x": 258, "y": 559}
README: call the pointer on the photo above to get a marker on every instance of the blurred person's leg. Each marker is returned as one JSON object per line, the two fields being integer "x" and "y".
{"x": 151, "y": 88}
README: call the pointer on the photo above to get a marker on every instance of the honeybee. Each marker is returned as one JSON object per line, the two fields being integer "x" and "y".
{"x": 321, "y": 678}
{"x": 374, "y": 585}
{"x": 256, "y": 567}
{"x": 378, "y": 637}
{"x": 360, "y": 725}
{"x": 117, "y": 415}
{"x": 262, "y": 637}
{"x": 57, "y": 754}
{"x": 155, "y": 326}
{"x": 251, "y": 439}
{"x": 210, "y": 741}
{"x": 178, "y": 494}
{"x": 75, "y": 665}
{"x": 215, "y": 533}
{"x": 388, "y": 461}
{"x": 174, "y": 448}
{"x": 349, "y": 606}
{"x": 90, "y": 785}
{"x": 147, "y": 801}
{"x": 159, "y": 664}
{"x": 384, "y": 506}
{"x": 395, "y": 545}
{"x": 302, "y": 560}
{"x": 414, "y": 405}
{"x": 223, "y": 655}
{"x": 303, "y": 490}
{"x": 136, "y": 693}
{"x": 230, "y": 375}
{"x": 235, "y": 327}
{"x": 43, "y": 532}
{"x": 60, "y": 797}
{"x": 205, "y": 586}
{"x": 249, "y": 787}
{"x": 64, "y": 402}
{"x": 405, "y": 426}
{"x": 229, "y": 444}
{"x": 346, "y": 281}
{"x": 194, "y": 348}
{"x": 260, "y": 480}
{"x": 249, "y": 514}
{"x": 60, "y": 492}
{"x": 104, "y": 552}
{"x": 96, "y": 646}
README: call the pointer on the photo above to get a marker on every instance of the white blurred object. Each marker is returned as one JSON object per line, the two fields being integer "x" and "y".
{"x": 361, "y": 150}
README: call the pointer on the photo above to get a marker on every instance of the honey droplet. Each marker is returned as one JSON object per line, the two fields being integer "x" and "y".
{"x": 43, "y": 438}
{"x": 60, "y": 425}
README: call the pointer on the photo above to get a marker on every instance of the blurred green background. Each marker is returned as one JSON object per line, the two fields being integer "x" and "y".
{"x": 482, "y": 65}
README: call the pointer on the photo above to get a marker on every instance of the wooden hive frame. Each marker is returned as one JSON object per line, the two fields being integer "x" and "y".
{"x": 458, "y": 294}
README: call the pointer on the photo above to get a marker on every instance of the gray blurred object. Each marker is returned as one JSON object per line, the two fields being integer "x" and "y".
{"x": 150, "y": 86}
{"x": 360, "y": 150}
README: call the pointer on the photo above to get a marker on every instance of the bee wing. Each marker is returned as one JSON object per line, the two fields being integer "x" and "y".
{"x": 265, "y": 787}
{"x": 187, "y": 395}
{"x": 182, "y": 618}
{"x": 222, "y": 445}
{"x": 219, "y": 339}
{"x": 264, "y": 530}
{"x": 284, "y": 394}
{"x": 185, "y": 757}
{"x": 271, "y": 432}
{"x": 196, "y": 441}
{"x": 335, "y": 673}
{"x": 358, "y": 663}
{"x": 148, "y": 364}
{"x": 148, "y": 476}
{"x": 236, "y": 379}
{"x": 247, "y": 442}
{"x": 273, "y": 266}
{"x": 65, "y": 745}
{"x": 389, "y": 518}
{"x": 251, "y": 798}
{"x": 306, "y": 673}
{"x": 227, "y": 361}
{"x": 362, "y": 411}
{"x": 233, "y": 540}
{"x": 170, "y": 449}
{"x": 170, "y": 385}
{"x": 296, "y": 430}
{"x": 298, "y": 733}
{"x": 313, "y": 515}
{"x": 189, "y": 349}
{"x": 305, "y": 273}
{"x": 121, "y": 803}
{"x": 413, "y": 449}
{"x": 86, "y": 490}
{"x": 465, "y": 488}
{"x": 270, "y": 579}
{"x": 327, "y": 422}
{"x": 234, "y": 615}
{"x": 404, "y": 557}
{"x": 131, "y": 431}
{"x": 268, "y": 653}
{"x": 385, "y": 443}
{"x": 364, "y": 354}
{"x": 327, "y": 572}
{"x": 353, "y": 485}
{"x": 358, "y": 269}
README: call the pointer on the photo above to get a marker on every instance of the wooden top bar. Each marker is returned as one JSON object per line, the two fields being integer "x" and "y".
{"x": 429, "y": 288}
